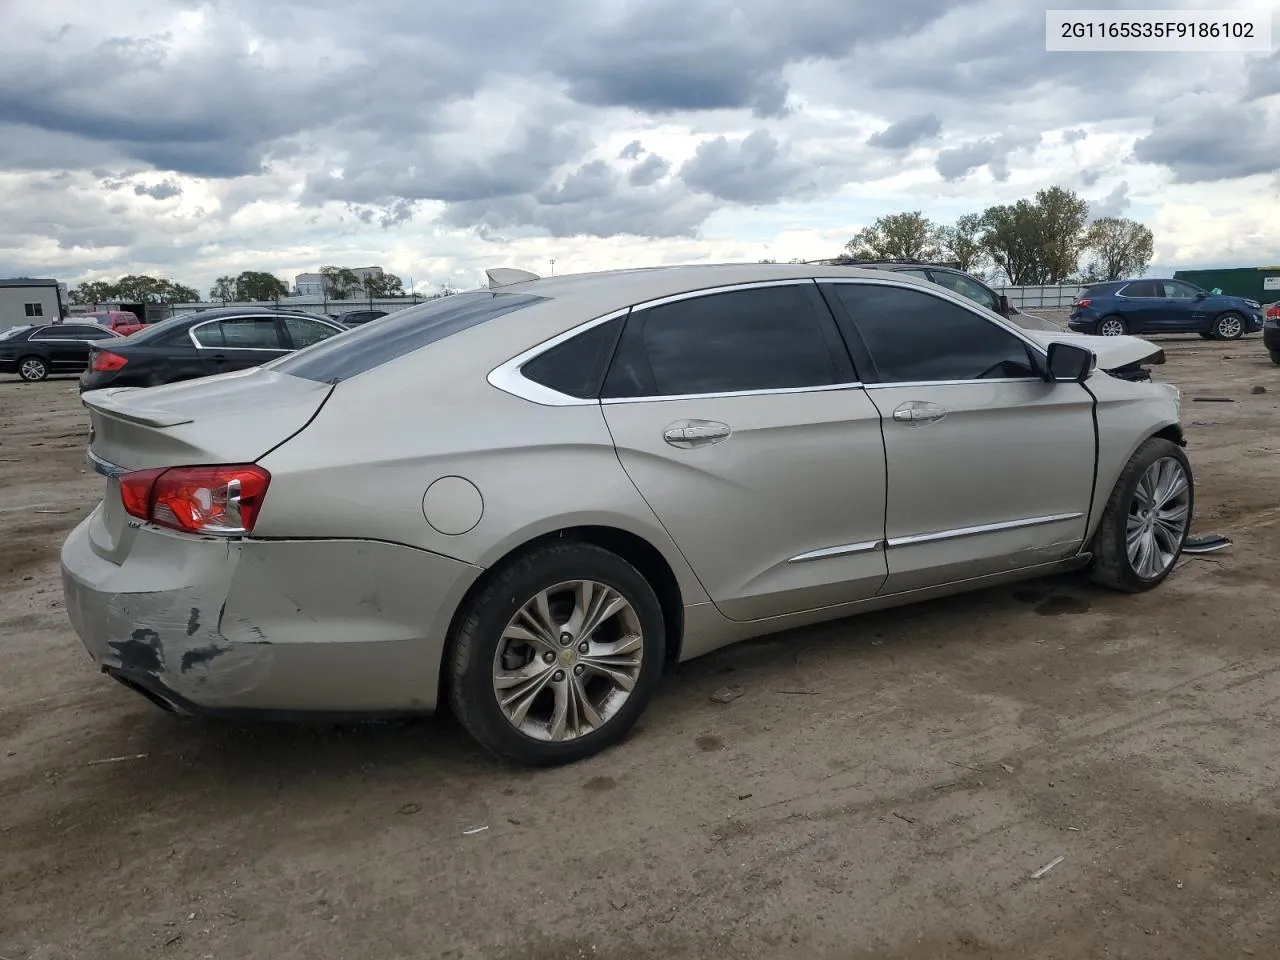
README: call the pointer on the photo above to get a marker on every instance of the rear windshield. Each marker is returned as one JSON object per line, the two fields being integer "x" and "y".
{"x": 371, "y": 345}
{"x": 153, "y": 332}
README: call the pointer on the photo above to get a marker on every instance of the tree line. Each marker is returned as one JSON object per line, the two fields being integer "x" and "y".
{"x": 250, "y": 286}
{"x": 1031, "y": 242}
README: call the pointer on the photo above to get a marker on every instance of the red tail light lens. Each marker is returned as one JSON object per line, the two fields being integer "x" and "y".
{"x": 104, "y": 361}
{"x": 1083, "y": 303}
{"x": 222, "y": 500}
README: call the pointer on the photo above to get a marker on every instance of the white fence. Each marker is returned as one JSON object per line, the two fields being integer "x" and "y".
{"x": 1061, "y": 295}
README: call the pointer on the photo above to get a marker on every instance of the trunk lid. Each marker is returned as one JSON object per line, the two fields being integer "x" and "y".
{"x": 230, "y": 418}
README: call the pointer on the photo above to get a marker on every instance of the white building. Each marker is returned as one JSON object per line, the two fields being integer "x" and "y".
{"x": 312, "y": 284}
{"x": 26, "y": 301}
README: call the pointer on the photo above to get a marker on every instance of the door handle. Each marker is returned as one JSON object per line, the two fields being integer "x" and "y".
{"x": 695, "y": 433}
{"x": 918, "y": 412}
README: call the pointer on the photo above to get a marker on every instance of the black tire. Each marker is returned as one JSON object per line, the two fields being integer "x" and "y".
{"x": 1205, "y": 335}
{"x": 479, "y": 628}
{"x": 1231, "y": 319}
{"x": 1111, "y": 566}
{"x": 1275, "y": 356}
{"x": 1122, "y": 331}
{"x": 33, "y": 369}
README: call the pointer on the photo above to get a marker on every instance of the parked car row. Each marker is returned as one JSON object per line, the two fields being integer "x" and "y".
{"x": 35, "y": 352}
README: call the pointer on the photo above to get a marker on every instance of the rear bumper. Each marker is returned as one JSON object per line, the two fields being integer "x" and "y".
{"x": 1081, "y": 325}
{"x": 332, "y": 627}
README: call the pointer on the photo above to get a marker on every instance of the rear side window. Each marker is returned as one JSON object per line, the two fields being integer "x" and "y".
{"x": 767, "y": 338}
{"x": 1142, "y": 288}
{"x": 240, "y": 333}
{"x": 371, "y": 345}
{"x": 304, "y": 331}
{"x": 577, "y": 366}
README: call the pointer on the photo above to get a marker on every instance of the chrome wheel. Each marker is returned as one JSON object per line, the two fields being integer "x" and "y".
{"x": 1111, "y": 327}
{"x": 1230, "y": 327}
{"x": 568, "y": 660}
{"x": 1158, "y": 518}
{"x": 32, "y": 369}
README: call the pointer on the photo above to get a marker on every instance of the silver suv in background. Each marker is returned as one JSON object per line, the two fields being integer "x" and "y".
{"x": 525, "y": 501}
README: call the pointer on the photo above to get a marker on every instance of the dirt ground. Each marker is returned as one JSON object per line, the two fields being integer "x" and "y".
{"x": 884, "y": 787}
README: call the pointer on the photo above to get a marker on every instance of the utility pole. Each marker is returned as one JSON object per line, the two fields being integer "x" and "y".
{"x": 553, "y": 266}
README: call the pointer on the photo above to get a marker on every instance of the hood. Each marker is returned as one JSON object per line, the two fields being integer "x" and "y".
{"x": 1113, "y": 353}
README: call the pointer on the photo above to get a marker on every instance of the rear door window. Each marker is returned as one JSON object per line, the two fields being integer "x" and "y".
{"x": 761, "y": 339}
{"x": 373, "y": 344}
{"x": 970, "y": 289}
{"x": 240, "y": 333}
{"x": 1142, "y": 288}
{"x": 303, "y": 331}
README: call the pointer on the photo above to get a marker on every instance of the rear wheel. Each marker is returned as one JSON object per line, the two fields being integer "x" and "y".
{"x": 557, "y": 656}
{"x": 1146, "y": 519}
{"x": 1112, "y": 327}
{"x": 1228, "y": 326}
{"x": 32, "y": 369}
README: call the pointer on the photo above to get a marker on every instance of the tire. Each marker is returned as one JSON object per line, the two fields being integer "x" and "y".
{"x": 1112, "y": 327}
{"x": 1205, "y": 336}
{"x": 33, "y": 369}
{"x": 1275, "y": 356}
{"x": 1112, "y": 565}
{"x": 474, "y": 663}
{"x": 1227, "y": 326}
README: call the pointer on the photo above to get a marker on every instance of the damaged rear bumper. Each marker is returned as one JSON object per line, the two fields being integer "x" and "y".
{"x": 282, "y": 627}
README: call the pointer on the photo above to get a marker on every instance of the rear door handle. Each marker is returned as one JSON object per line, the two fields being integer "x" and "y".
{"x": 695, "y": 433}
{"x": 918, "y": 412}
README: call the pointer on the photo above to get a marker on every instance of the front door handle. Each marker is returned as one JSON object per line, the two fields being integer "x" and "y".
{"x": 695, "y": 433}
{"x": 916, "y": 413}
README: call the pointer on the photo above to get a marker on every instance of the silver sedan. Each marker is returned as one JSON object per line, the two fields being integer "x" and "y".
{"x": 524, "y": 501}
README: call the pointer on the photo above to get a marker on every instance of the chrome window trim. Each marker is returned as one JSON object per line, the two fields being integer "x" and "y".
{"x": 843, "y": 550}
{"x": 948, "y": 383}
{"x": 508, "y": 378}
{"x": 959, "y": 532}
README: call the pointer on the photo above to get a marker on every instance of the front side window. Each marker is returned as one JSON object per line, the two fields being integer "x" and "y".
{"x": 239, "y": 333}
{"x": 34, "y": 309}
{"x": 966, "y": 288}
{"x": 1177, "y": 290}
{"x": 766, "y": 338}
{"x": 912, "y": 337}
{"x": 304, "y": 332}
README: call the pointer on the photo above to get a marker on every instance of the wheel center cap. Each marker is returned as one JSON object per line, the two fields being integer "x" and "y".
{"x": 568, "y": 656}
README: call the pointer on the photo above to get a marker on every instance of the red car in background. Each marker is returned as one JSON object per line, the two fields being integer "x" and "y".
{"x": 121, "y": 321}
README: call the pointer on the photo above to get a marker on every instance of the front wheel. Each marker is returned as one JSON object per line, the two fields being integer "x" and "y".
{"x": 1146, "y": 519}
{"x": 1112, "y": 327}
{"x": 556, "y": 658}
{"x": 32, "y": 369}
{"x": 1228, "y": 326}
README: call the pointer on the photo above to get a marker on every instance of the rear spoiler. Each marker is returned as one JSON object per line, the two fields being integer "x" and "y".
{"x": 106, "y": 403}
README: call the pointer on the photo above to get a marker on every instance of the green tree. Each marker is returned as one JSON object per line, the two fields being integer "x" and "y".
{"x": 387, "y": 285}
{"x": 898, "y": 236}
{"x": 1121, "y": 248}
{"x": 1010, "y": 237}
{"x": 963, "y": 242}
{"x": 1062, "y": 218}
{"x": 340, "y": 282}
{"x": 144, "y": 289}
{"x": 92, "y": 292}
{"x": 224, "y": 289}
{"x": 258, "y": 287}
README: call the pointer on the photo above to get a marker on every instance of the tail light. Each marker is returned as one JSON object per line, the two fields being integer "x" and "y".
{"x": 1081, "y": 304}
{"x": 104, "y": 361}
{"x": 222, "y": 500}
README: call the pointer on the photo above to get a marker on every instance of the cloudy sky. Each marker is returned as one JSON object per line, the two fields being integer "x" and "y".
{"x": 437, "y": 138}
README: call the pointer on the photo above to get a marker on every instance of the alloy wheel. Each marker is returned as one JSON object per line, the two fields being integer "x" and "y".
{"x": 568, "y": 660}
{"x": 32, "y": 370}
{"x": 1111, "y": 328}
{"x": 1229, "y": 328}
{"x": 1158, "y": 518}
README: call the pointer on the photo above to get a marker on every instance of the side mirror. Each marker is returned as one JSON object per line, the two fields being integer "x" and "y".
{"x": 1200, "y": 295}
{"x": 1067, "y": 362}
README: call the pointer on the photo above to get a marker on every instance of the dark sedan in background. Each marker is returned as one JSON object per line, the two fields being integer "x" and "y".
{"x": 35, "y": 352}
{"x": 1163, "y": 306}
{"x": 356, "y": 318}
{"x": 201, "y": 344}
